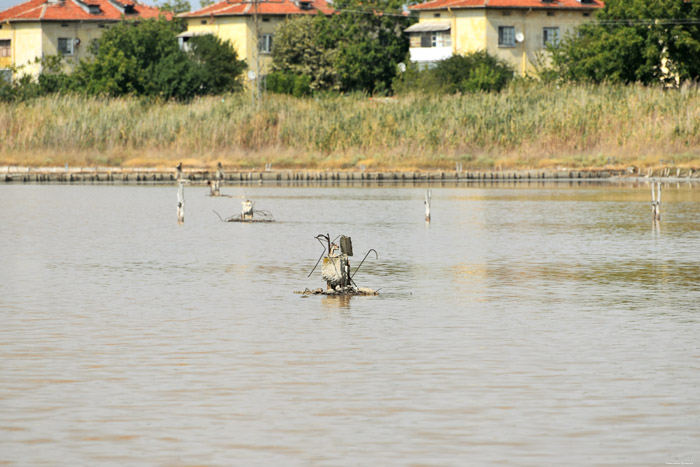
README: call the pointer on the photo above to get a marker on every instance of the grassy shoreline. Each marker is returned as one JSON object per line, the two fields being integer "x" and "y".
{"x": 528, "y": 126}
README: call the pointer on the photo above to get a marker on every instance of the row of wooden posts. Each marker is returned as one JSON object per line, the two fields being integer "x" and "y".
{"x": 215, "y": 190}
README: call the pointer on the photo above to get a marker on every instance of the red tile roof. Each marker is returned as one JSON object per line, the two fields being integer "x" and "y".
{"x": 265, "y": 7}
{"x": 553, "y": 4}
{"x": 75, "y": 10}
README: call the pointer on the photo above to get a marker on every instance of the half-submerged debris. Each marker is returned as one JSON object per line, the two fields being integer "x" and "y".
{"x": 249, "y": 214}
{"x": 336, "y": 269}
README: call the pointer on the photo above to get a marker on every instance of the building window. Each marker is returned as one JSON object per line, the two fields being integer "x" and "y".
{"x": 204, "y": 21}
{"x": 550, "y": 36}
{"x": 506, "y": 36}
{"x": 436, "y": 15}
{"x": 65, "y": 46}
{"x": 5, "y": 48}
{"x": 265, "y": 43}
{"x": 550, "y": 13}
{"x": 586, "y": 15}
{"x": 506, "y": 13}
{"x": 436, "y": 39}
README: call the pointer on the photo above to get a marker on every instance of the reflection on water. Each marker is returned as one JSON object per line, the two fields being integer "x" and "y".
{"x": 531, "y": 323}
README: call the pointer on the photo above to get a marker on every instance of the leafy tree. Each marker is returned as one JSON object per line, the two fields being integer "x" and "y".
{"x": 217, "y": 64}
{"x": 357, "y": 49}
{"x": 128, "y": 55}
{"x": 145, "y": 59}
{"x": 298, "y": 50}
{"x": 370, "y": 45}
{"x": 206, "y": 3}
{"x": 643, "y": 41}
{"x": 175, "y": 6}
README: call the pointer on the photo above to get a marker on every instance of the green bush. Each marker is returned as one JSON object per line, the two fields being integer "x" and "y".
{"x": 473, "y": 72}
{"x": 288, "y": 83}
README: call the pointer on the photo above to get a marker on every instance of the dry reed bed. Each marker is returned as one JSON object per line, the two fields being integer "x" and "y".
{"x": 525, "y": 126}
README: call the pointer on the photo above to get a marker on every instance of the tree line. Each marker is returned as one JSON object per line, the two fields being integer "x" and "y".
{"x": 361, "y": 49}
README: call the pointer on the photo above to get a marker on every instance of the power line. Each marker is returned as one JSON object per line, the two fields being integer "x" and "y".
{"x": 648, "y": 22}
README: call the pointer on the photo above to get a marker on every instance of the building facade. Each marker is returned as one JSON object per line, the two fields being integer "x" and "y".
{"x": 238, "y": 22}
{"x": 516, "y": 31}
{"x": 38, "y": 28}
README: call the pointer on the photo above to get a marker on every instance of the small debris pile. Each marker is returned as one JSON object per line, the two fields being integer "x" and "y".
{"x": 336, "y": 269}
{"x": 249, "y": 214}
{"x": 345, "y": 291}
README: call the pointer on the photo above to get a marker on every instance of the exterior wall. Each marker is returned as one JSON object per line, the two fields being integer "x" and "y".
{"x": 266, "y": 27}
{"x": 227, "y": 28}
{"x": 32, "y": 40}
{"x": 85, "y": 33}
{"x": 240, "y": 30}
{"x": 430, "y": 54}
{"x": 26, "y": 45}
{"x": 525, "y": 56}
{"x": 6, "y": 34}
{"x": 477, "y": 29}
{"x": 469, "y": 31}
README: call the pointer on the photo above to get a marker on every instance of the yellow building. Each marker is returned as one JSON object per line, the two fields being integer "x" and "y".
{"x": 514, "y": 30}
{"x": 235, "y": 21}
{"x": 38, "y": 28}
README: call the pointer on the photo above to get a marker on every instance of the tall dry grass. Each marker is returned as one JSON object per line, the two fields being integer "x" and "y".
{"x": 526, "y": 126}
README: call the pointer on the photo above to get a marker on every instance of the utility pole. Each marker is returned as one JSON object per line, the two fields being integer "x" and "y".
{"x": 256, "y": 51}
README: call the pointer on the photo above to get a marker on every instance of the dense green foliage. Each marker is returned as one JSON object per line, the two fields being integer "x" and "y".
{"x": 174, "y": 6}
{"x": 645, "y": 41}
{"x": 141, "y": 59}
{"x": 473, "y": 72}
{"x": 355, "y": 50}
{"x": 216, "y": 64}
{"x": 299, "y": 51}
{"x": 288, "y": 83}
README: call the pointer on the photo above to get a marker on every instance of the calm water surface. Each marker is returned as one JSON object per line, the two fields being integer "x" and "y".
{"x": 525, "y": 325}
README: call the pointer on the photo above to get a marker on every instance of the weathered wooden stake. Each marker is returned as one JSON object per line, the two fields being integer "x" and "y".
{"x": 215, "y": 185}
{"x": 180, "y": 202}
{"x": 656, "y": 201}
{"x": 427, "y": 205}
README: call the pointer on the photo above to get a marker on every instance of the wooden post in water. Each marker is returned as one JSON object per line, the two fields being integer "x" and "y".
{"x": 215, "y": 185}
{"x": 180, "y": 195}
{"x": 656, "y": 201}
{"x": 427, "y": 205}
{"x": 180, "y": 202}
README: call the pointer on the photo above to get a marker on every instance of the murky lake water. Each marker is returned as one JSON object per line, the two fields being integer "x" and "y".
{"x": 541, "y": 324}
